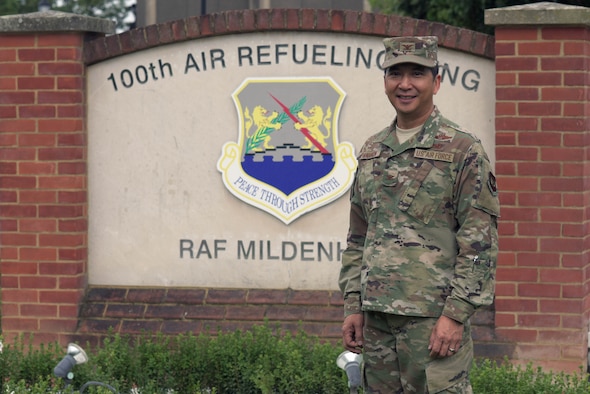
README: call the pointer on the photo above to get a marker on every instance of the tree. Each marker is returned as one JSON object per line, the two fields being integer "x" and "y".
{"x": 9, "y": 7}
{"x": 461, "y": 13}
{"x": 115, "y": 10}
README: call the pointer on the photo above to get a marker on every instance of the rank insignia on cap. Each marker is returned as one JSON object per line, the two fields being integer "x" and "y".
{"x": 407, "y": 47}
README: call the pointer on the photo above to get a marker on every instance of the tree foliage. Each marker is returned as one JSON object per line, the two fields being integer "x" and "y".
{"x": 10, "y": 7}
{"x": 468, "y": 14}
{"x": 115, "y": 10}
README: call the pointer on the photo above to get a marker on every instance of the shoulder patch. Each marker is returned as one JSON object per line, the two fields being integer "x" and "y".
{"x": 487, "y": 200}
{"x": 492, "y": 184}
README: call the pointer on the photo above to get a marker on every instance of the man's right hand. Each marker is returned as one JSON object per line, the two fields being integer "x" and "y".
{"x": 352, "y": 332}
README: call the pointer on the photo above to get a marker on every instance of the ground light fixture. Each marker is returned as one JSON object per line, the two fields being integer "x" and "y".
{"x": 351, "y": 363}
{"x": 75, "y": 355}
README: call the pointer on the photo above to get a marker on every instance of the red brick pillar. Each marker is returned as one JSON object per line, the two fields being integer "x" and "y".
{"x": 43, "y": 180}
{"x": 543, "y": 166}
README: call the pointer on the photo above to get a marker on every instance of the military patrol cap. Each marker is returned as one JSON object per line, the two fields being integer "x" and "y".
{"x": 418, "y": 50}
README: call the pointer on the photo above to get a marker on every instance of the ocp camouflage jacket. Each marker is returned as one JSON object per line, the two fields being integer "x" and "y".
{"x": 423, "y": 225}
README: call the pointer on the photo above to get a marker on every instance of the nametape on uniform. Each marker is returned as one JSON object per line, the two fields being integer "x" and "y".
{"x": 434, "y": 155}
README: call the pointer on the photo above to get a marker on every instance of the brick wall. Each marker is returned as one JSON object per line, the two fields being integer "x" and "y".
{"x": 542, "y": 308}
{"x": 235, "y": 22}
{"x": 543, "y": 125}
{"x": 44, "y": 196}
{"x": 174, "y": 311}
{"x": 42, "y": 183}
{"x": 179, "y": 310}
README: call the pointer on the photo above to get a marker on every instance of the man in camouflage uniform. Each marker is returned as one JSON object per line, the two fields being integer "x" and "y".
{"x": 422, "y": 243}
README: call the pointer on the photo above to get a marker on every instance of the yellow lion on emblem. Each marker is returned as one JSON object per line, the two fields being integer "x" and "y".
{"x": 264, "y": 123}
{"x": 313, "y": 122}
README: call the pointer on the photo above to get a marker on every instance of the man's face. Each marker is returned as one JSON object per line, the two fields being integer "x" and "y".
{"x": 411, "y": 89}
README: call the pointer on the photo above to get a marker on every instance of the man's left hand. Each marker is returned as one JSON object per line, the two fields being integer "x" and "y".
{"x": 446, "y": 337}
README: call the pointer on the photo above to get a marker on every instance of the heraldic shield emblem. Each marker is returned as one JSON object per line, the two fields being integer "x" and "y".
{"x": 288, "y": 160}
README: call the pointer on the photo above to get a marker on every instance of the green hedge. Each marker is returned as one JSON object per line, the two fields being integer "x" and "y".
{"x": 261, "y": 360}
{"x": 490, "y": 377}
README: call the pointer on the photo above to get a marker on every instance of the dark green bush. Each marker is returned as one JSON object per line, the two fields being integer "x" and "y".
{"x": 505, "y": 378}
{"x": 261, "y": 360}
{"x": 22, "y": 362}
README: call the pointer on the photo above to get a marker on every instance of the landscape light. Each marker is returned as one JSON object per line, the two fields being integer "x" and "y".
{"x": 351, "y": 363}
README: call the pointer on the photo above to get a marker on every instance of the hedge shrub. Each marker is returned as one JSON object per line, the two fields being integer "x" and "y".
{"x": 261, "y": 360}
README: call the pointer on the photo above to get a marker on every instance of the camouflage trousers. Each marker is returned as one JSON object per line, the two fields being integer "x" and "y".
{"x": 396, "y": 358}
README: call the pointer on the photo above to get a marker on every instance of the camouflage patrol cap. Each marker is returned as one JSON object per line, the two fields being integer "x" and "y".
{"x": 418, "y": 50}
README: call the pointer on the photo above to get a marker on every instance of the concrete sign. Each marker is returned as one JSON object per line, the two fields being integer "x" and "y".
{"x": 226, "y": 161}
